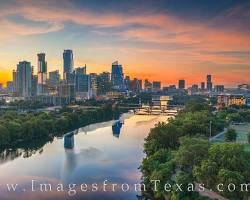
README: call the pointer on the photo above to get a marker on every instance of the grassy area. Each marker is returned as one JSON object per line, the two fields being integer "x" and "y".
{"x": 242, "y": 131}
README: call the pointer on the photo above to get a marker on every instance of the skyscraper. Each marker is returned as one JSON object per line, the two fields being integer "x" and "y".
{"x": 148, "y": 87}
{"x": 181, "y": 84}
{"x": 209, "y": 83}
{"x": 41, "y": 73}
{"x": 68, "y": 62}
{"x": 24, "y": 76}
{"x": 82, "y": 83}
{"x": 202, "y": 86}
{"x": 15, "y": 82}
{"x": 117, "y": 76}
{"x": 9, "y": 86}
{"x": 93, "y": 84}
{"x": 54, "y": 78}
{"x": 156, "y": 86}
{"x": 103, "y": 83}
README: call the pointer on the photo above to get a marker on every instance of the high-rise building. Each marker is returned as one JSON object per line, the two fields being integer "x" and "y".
{"x": 82, "y": 83}
{"x": 34, "y": 86}
{"x": 54, "y": 78}
{"x": 117, "y": 76}
{"x": 195, "y": 88}
{"x": 66, "y": 91}
{"x": 68, "y": 64}
{"x": 93, "y": 84}
{"x": 136, "y": 86}
{"x": 103, "y": 83}
{"x": 219, "y": 88}
{"x": 15, "y": 82}
{"x": 181, "y": 84}
{"x": 81, "y": 70}
{"x": 156, "y": 86}
{"x": 202, "y": 86}
{"x": 24, "y": 76}
{"x": 209, "y": 83}
{"x": 9, "y": 86}
{"x": 41, "y": 73}
{"x": 127, "y": 83}
{"x": 148, "y": 86}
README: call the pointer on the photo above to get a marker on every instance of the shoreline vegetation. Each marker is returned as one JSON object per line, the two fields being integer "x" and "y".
{"x": 179, "y": 152}
{"x": 34, "y": 129}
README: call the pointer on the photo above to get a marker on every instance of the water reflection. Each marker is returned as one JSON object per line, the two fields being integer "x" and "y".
{"x": 86, "y": 158}
{"x": 69, "y": 140}
{"x": 116, "y": 128}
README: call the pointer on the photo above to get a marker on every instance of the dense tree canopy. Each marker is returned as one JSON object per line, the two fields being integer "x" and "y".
{"x": 230, "y": 135}
{"x": 179, "y": 152}
{"x": 18, "y": 127}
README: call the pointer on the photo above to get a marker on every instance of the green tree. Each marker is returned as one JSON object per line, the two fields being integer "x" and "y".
{"x": 162, "y": 136}
{"x": 248, "y": 137}
{"x": 225, "y": 163}
{"x": 4, "y": 136}
{"x": 191, "y": 152}
{"x": 230, "y": 135}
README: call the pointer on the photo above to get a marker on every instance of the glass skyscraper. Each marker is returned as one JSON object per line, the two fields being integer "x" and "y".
{"x": 117, "y": 76}
{"x": 41, "y": 73}
{"x": 68, "y": 61}
{"x": 24, "y": 76}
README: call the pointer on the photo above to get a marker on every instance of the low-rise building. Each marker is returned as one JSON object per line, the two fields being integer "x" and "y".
{"x": 229, "y": 100}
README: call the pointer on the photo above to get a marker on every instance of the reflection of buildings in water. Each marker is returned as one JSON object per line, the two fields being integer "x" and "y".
{"x": 69, "y": 141}
{"x": 70, "y": 158}
{"x": 116, "y": 128}
{"x": 69, "y": 165}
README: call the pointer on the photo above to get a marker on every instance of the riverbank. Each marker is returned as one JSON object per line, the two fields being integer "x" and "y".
{"x": 100, "y": 153}
{"x": 22, "y": 129}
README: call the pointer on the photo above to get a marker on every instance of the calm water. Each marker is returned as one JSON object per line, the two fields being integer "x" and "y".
{"x": 101, "y": 152}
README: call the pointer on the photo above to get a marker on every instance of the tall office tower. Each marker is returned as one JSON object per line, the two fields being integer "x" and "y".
{"x": 148, "y": 87}
{"x": 82, "y": 84}
{"x": 41, "y": 73}
{"x": 9, "y": 86}
{"x": 24, "y": 76}
{"x": 136, "y": 85}
{"x": 181, "y": 84}
{"x": 156, "y": 86}
{"x": 209, "y": 83}
{"x": 34, "y": 85}
{"x": 54, "y": 78}
{"x": 103, "y": 83}
{"x": 127, "y": 83}
{"x": 117, "y": 76}
{"x": 195, "y": 88}
{"x": 15, "y": 82}
{"x": 219, "y": 88}
{"x": 81, "y": 70}
{"x": 68, "y": 64}
{"x": 202, "y": 86}
{"x": 93, "y": 84}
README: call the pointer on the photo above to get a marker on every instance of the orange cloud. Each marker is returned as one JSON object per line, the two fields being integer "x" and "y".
{"x": 172, "y": 47}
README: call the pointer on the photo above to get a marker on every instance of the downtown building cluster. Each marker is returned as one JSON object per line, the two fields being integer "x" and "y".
{"x": 74, "y": 84}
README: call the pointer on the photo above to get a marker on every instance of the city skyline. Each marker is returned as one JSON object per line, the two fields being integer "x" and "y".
{"x": 164, "y": 40}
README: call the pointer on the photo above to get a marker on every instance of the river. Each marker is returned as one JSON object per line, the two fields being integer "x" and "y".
{"x": 101, "y": 152}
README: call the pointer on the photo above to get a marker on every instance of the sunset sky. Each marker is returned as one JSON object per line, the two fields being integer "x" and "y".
{"x": 162, "y": 40}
